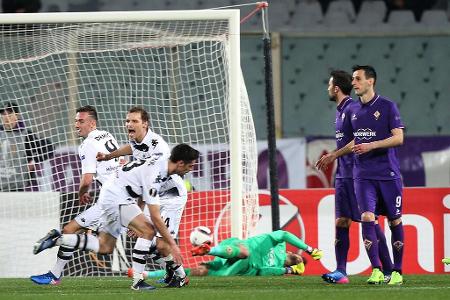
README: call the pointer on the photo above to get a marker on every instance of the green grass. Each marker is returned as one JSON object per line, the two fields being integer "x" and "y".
{"x": 217, "y": 288}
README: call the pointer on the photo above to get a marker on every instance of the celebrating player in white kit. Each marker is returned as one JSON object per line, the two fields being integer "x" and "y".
{"x": 95, "y": 140}
{"x": 141, "y": 178}
{"x": 145, "y": 144}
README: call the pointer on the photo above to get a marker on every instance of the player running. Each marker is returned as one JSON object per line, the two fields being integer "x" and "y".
{"x": 117, "y": 199}
{"x": 145, "y": 144}
{"x": 95, "y": 140}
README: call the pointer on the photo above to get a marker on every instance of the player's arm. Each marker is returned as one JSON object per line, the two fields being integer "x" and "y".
{"x": 395, "y": 140}
{"x": 287, "y": 237}
{"x": 325, "y": 160}
{"x": 83, "y": 195}
{"x": 122, "y": 151}
{"x": 160, "y": 226}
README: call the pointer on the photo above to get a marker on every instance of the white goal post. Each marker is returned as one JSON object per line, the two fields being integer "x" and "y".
{"x": 183, "y": 67}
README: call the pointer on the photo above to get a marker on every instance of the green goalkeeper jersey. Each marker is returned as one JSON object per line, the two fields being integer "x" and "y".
{"x": 267, "y": 255}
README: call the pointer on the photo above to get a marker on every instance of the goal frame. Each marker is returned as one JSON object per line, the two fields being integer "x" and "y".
{"x": 233, "y": 17}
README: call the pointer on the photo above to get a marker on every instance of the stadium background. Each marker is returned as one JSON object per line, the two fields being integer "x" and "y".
{"x": 410, "y": 54}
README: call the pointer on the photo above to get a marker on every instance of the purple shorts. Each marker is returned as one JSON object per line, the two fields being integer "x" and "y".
{"x": 345, "y": 199}
{"x": 381, "y": 197}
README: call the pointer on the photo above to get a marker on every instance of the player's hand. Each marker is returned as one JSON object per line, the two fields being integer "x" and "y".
{"x": 85, "y": 198}
{"x": 298, "y": 269}
{"x": 325, "y": 160}
{"x": 316, "y": 254}
{"x": 176, "y": 253}
{"x": 201, "y": 250}
{"x": 362, "y": 148}
{"x": 101, "y": 156}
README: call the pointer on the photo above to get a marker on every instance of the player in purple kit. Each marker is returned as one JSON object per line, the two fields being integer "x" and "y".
{"x": 346, "y": 206}
{"x": 377, "y": 130}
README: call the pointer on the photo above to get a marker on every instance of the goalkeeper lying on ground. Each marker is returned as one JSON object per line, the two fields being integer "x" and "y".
{"x": 261, "y": 255}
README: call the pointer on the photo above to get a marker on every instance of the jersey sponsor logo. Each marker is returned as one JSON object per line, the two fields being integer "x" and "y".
{"x": 364, "y": 134}
{"x": 101, "y": 136}
{"x": 111, "y": 168}
{"x": 339, "y": 135}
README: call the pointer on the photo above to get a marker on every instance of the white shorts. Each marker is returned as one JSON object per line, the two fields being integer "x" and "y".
{"x": 171, "y": 210}
{"x": 90, "y": 218}
{"x": 118, "y": 209}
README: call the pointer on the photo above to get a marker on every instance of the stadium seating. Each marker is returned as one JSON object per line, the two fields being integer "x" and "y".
{"x": 412, "y": 69}
{"x": 344, "y": 6}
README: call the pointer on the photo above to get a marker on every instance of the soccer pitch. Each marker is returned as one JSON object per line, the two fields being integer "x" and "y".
{"x": 218, "y": 288}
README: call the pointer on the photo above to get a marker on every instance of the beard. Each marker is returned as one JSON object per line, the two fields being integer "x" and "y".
{"x": 332, "y": 98}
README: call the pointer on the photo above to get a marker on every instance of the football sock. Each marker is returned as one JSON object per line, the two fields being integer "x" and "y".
{"x": 63, "y": 257}
{"x": 397, "y": 240}
{"x": 371, "y": 243}
{"x": 140, "y": 250}
{"x": 383, "y": 251}
{"x": 341, "y": 246}
{"x": 80, "y": 241}
{"x": 178, "y": 269}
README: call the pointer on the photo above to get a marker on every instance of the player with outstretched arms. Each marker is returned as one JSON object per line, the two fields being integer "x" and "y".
{"x": 146, "y": 144}
{"x": 95, "y": 141}
{"x": 140, "y": 178}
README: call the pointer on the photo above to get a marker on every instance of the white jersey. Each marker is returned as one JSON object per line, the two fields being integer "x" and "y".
{"x": 143, "y": 178}
{"x": 98, "y": 141}
{"x": 152, "y": 145}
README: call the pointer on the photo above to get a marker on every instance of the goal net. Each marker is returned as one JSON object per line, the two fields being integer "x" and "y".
{"x": 181, "y": 66}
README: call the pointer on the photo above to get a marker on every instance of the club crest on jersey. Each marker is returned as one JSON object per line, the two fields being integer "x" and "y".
{"x": 376, "y": 114}
{"x": 343, "y": 116}
{"x": 142, "y": 147}
{"x": 154, "y": 143}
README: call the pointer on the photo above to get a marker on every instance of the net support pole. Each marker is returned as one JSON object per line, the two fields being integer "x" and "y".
{"x": 271, "y": 135}
{"x": 236, "y": 129}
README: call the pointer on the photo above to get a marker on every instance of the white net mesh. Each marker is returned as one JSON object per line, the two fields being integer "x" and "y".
{"x": 177, "y": 70}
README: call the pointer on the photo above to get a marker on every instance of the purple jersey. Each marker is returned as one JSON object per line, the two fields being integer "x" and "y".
{"x": 344, "y": 135}
{"x": 373, "y": 121}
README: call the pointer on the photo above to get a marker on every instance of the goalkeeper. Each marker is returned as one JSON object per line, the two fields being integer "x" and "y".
{"x": 260, "y": 255}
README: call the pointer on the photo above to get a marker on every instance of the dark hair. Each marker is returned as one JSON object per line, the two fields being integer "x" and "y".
{"x": 92, "y": 112}
{"x": 143, "y": 112}
{"x": 369, "y": 72}
{"x": 10, "y": 107}
{"x": 184, "y": 152}
{"x": 342, "y": 80}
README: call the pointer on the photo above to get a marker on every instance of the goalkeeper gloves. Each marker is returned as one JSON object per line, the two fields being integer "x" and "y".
{"x": 297, "y": 269}
{"x": 201, "y": 250}
{"x": 315, "y": 253}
